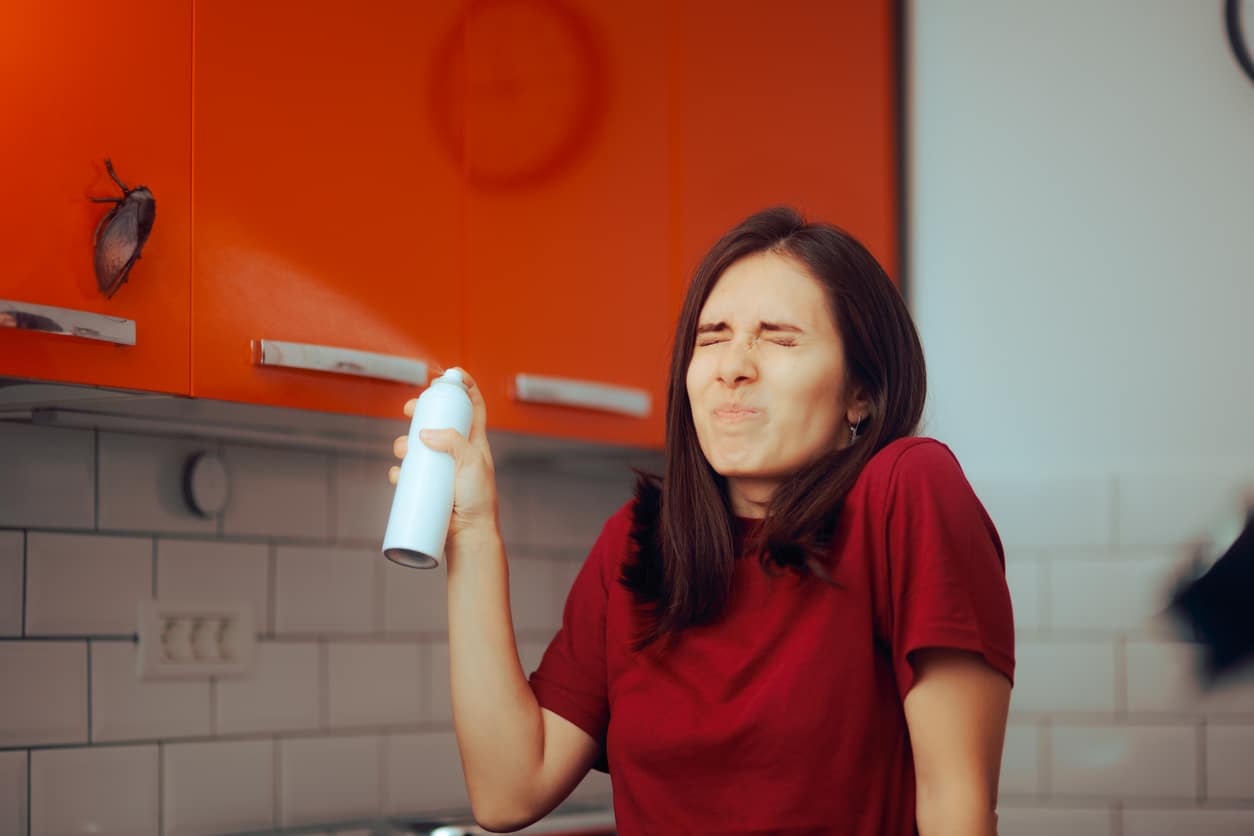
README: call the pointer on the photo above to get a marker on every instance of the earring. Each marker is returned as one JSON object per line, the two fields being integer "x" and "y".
{"x": 853, "y": 431}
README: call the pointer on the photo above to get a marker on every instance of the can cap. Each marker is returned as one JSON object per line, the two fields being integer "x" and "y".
{"x": 452, "y": 376}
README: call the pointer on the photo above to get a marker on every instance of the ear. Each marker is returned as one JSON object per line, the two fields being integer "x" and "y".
{"x": 857, "y": 405}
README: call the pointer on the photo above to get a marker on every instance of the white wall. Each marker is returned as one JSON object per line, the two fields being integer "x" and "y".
{"x": 1082, "y": 250}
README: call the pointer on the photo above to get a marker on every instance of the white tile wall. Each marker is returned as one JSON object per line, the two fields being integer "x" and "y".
{"x": 1020, "y": 761}
{"x": 13, "y": 791}
{"x": 567, "y": 512}
{"x": 1038, "y": 512}
{"x": 1085, "y": 588}
{"x": 1163, "y": 677}
{"x": 424, "y": 772}
{"x": 1026, "y": 580}
{"x": 283, "y": 693}
{"x": 1066, "y": 676}
{"x": 323, "y": 589}
{"x": 86, "y": 584}
{"x": 124, "y": 708}
{"x": 102, "y": 789}
{"x": 330, "y": 778}
{"x": 1230, "y": 762}
{"x": 1042, "y": 821}
{"x": 12, "y": 582}
{"x": 49, "y": 479}
{"x": 533, "y": 586}
{"x": 593, "y": 789}
{"x": 43, "y": 693}
{"x": 1174, "y": 509}
{"x": 363, "y": 497}
{"x": 278, "y": 493}
{"x": 438, "y": 697}
{"x": 141, "y": 484}
{"x": 216, "y": 572}
{"x": 218, "y": 787}
{"x": 374, "y": 683}
{"x": 1142, "y": 762}
{"x": 1187, "y": 823}
{"x": 414, "y": 600}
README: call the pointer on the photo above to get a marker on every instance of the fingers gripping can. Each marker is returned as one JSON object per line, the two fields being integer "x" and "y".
{"x": 423, "y": 504}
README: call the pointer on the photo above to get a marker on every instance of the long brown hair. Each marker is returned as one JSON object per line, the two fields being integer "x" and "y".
{"x": 680, "y": 574}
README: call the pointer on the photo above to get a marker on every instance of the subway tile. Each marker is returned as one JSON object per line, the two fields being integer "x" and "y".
{"x": 1041, "y": 512}
{"x": 328, "y": 779}
{"x": 281, "y": 694}
{"x": 1230, "y": 762}
{"x": 212, "y": 571}
{"x": 43, "y": 693}
{"x": 363, "y": 498}
{"x": 530, "y": 653}
{"x": 101, "y": 789}
{"x": 125, "y": 708}
{"x": 13, "y": 817}
{"x": 533, "y": 587}
{"x": 1190, "y": 822}
{"x": 513, "y": 509}
{"x": 567, "y": 512}
{"x": 12, "y": 582}
{"x": 1054, "y": 676}
{"x": 414, "y": 600}
{"x": 141, "y": 484}
{"x": 593, "y": 789}
{"x": 277, "y": 493}
{"x": 1114, "y": 594}
{"x": 373, "y": 684}
{"x": 439, "y": 698}
{"x": 1043, "y": 821}
{"x": 324, "y": 589}
{"x": 1175, "y": 509}
{"x": 1026, "y": 594}
{"x": 86, "y": 584}
{"x": 1149, "y": 762}
{"x": 1019, "y": 760}
{"x": 217, "y": 787}
{"x": 1165, "y": 677}
{"x": 49, "y": 479}
{"x": 424, "y": 774}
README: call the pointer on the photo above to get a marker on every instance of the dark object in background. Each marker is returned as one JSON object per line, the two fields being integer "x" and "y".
{"x": 28, "y": 321}
{"x": 1217, "y": 608}
{"x": 121, "y": 234}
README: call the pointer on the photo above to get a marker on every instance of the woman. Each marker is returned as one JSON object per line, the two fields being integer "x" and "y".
{"x": 803, "y": 627}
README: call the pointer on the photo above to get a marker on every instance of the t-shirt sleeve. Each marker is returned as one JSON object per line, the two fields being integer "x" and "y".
{"x": 945, "y": 566}
{"x": 571, "y": 680}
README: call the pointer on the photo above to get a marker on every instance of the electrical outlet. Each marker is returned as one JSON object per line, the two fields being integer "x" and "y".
{"x": 179, "y": 640}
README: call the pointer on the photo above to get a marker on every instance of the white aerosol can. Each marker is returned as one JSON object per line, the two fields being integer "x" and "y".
{"x": 423, "y": 503}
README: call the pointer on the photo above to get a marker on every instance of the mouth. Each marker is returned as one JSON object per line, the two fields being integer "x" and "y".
{"x": 733, "y": 414}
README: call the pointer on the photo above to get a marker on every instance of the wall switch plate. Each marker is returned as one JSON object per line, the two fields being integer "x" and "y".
{"x": 195, "y": 640}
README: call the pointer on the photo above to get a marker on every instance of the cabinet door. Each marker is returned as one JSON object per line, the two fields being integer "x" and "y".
{"x": 80, "y": 82}
{"x": 328, "y": 206}
{"x": 786, "y": 104}
{"x": 567, "y": 236}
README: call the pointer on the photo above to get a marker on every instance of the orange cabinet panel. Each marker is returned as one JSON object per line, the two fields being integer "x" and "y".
{"x": 567, "y": 209}
{"x": 785, "y": 103}
{"x": 327, "y": 198}
{"x": 80, "y": 82}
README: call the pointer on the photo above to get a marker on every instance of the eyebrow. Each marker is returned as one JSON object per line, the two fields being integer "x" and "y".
{"x": 712, "y": 327}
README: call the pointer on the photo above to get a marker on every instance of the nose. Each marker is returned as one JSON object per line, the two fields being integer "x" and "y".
{"x": 736, "y": 363}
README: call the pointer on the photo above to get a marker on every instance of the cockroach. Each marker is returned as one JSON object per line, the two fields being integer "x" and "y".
{"x": 121, "y": 234}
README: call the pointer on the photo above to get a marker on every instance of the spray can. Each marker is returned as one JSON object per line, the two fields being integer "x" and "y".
{"x": 423, "y": 504}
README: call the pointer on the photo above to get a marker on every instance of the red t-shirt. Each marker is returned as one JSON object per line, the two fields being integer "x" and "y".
{"x": 785, "y": 715}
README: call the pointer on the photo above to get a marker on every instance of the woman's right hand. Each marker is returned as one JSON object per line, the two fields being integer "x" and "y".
{"x": 474, "y": 486}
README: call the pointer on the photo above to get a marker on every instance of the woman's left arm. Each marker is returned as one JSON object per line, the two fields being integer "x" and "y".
{"x": 956, "y": 714}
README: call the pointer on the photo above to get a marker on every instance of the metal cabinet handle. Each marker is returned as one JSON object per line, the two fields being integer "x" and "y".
{"x": 348, "y": 361}
{"x": 66, "y": 321}
{"x": 585, "y": 394}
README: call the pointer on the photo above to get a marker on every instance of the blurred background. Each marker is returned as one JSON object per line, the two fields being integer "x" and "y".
{"x": 351, "y": 199}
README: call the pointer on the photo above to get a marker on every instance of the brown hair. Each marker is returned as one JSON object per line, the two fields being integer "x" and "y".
{"x": 680, "y": 574}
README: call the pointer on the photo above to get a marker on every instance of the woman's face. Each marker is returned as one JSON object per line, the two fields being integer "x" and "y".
{"x": 767, "y": 377}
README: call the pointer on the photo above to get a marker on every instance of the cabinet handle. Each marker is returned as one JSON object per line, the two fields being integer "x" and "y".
{"x": 67, "y": 321}
{"x": 586, "y": 394}
{"x": 349, "y": 361}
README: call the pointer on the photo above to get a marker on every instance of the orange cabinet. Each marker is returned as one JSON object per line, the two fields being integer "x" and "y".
{"x": 80, "y": 82}
{"x": 785, "y": 104}
{"x": 327, "y": 201}
{"x": 567, "y": 239}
